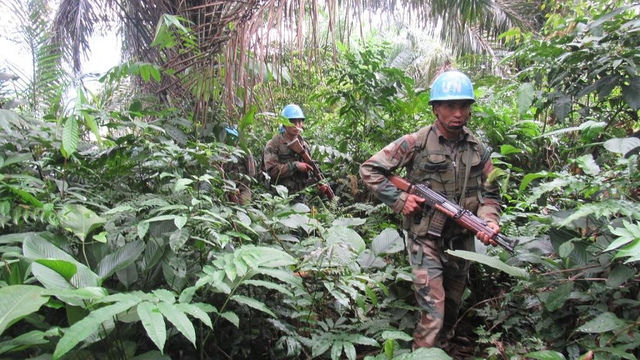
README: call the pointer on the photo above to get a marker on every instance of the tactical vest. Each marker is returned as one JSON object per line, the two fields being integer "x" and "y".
{"x": 448, "y": 172}
{"x": 299, "y": 180}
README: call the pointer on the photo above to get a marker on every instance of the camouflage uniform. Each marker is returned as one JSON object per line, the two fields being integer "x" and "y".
{"x": 449, "y": 167}
{"x": 280, "y": 164}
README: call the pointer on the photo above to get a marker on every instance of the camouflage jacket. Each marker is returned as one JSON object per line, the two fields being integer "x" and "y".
{"x": 280, "y": 163}
{"x": 450, "y": 167}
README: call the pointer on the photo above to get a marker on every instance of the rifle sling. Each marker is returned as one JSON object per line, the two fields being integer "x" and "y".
{"x": 467, "y": 171}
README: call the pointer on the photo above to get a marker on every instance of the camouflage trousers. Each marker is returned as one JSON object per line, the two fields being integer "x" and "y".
{"x": 439, "y": 283}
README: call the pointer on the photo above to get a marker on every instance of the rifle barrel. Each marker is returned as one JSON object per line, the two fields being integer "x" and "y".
{"x": 463, "y": 217}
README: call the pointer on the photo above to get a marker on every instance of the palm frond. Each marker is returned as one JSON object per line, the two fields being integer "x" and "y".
{"x": 42, "y": 91}
{"x": 73, "y": 25}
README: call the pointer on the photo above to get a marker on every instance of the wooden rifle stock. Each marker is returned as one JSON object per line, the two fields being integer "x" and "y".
{"x": 463, "y": 217}
{"x": 297, "y": 147}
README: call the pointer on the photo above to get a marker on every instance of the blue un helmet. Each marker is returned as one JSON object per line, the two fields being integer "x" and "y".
{"x": 230, "y": 135}
{"x": 231, "y": 131}
{"x": 292, "y": 111}
{"x": 451, "y": 85}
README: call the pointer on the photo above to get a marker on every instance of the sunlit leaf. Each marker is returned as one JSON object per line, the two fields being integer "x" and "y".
{"x": 153, "y": 323}
{"x": 396, "y": 335}
{"x": 588, "y": 164}
{"x": 342, "y": 234}
{"x": 87, "y": 326}
{"x": 70, "y": 137}
{"x": 179, "y": 320}
{"x": 494, "y": 262}
{"x": 387, "y": 242}
{"x": 622, "y": 145}
{"x": 18, "y": 301}
{"x": 348, "y": 222}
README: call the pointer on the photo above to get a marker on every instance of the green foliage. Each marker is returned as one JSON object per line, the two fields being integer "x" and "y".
{"x": 374, "y": 104}
{"x": 19, "y": 301}
{"x": 141, "y": 237}
{"x": 586, "y": 67}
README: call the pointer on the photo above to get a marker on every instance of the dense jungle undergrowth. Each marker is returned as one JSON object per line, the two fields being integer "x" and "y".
{"x": 118, "y": 239}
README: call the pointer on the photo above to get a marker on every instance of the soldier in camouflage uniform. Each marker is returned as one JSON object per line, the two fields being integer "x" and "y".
{"x": 456, "y": 164}
{"x": 284, "y": 166}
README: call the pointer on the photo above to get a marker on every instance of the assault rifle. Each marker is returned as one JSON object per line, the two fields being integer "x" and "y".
{"x": 463, "y": 217}
{"x": 297, "y": 147}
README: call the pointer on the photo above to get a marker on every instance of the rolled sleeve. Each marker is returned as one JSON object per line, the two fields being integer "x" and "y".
{"x": 375, "y": 170}
{"x": 489, "y": 210}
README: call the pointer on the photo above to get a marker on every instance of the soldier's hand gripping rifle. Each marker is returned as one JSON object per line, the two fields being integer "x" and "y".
{"x": 463, "y": 217}
{"x": 297, "y": 147}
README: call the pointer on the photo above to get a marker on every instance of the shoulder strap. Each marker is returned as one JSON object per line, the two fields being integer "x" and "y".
{"x": 422, "y": 135}
{"x": 486, "y": 154}
{"x": 484, "y": 157}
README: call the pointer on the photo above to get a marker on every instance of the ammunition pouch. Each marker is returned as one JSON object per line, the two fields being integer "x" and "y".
{"x": 436, "y": 223}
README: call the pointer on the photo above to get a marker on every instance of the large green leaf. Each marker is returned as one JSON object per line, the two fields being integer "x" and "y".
{"x": 561, "y": 105}
{"x": 628, "y": 242}
{"x": 153, "y": 323}
{"x": 582, "y": 127}
{"x": 36, "y": 248}
{"x": 70, "y": 137}
{"x": 367, "y": 260}
{"x": 65, "y": 268}
{"x": 631, "y": 93}
{"x": 179, "y": 320}
{"x": 79, "y": 220}
{"x": 622, "y": 145}
{"x": 424, "y": 354}
{"x": 494, "y": 262}
{"x": 336, "y": 350}
{"x": 626, "y": 234}
{"x": 196, "y": 312}
{"x": 24, "y": 341}
{"x": 557, "y": 298}
{"x": 16, "y": 159}
{"x": 588, "y": 164}
{"x": 90, "y": 324}
{"x": 120, "y": 259}
{"x": 619, "y": 275}
{"x": 342, "y": 234}
{"x": 387, "y": 242}
{"x": 81, "y": 295}
{"x": 262, "y": 256}
{"x": 231, "y": 317}
{"x": 348, "y": 222}
{"x": 294, "y": 221}
{"x": 18, "y": 301}
{"x": 602, "y": 323}
{"x": 396, "y": 335}
{"x": 545, "y": 355}
{"x": 250, "y": 302}
{"x": 524, "y": 97}
{"x": 16, "y": 237}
